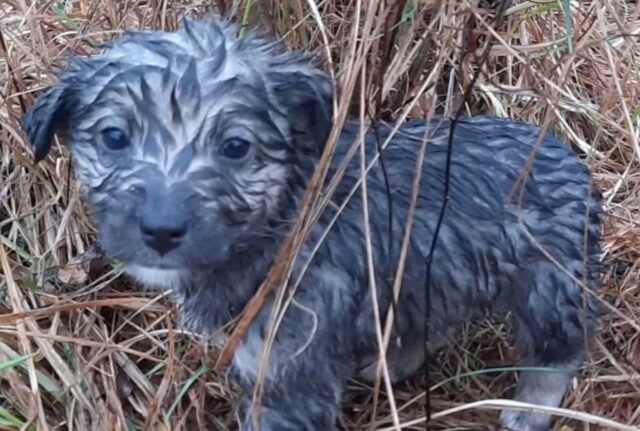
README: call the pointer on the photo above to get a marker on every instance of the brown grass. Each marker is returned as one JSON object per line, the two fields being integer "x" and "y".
{"x": 81, "y": 349}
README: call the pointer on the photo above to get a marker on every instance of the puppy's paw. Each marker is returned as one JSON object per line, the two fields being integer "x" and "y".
{"x": 525, "y": 421}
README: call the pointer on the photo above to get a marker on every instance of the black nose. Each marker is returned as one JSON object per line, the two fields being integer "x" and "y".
{"x": 163, "y": 237}
{"x": 164, "y": 216}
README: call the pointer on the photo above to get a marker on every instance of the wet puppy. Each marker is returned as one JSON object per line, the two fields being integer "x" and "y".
{"x": 195, "y": 147}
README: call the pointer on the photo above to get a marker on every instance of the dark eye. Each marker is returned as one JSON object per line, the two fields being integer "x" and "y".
{"x": 114, "y": 138}
{"x": 235, "y": 148}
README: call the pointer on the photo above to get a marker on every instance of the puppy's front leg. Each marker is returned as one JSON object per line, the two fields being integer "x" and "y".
{"x": 309, "y": 361}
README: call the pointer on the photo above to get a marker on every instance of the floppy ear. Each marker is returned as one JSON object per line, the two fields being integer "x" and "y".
{"x": 49, "y": 114}
{"x": 307, "y": 99}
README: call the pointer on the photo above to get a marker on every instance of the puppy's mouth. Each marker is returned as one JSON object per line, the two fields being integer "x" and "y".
{"x": 155, "y": 276}
{"x": 161, "y": 266}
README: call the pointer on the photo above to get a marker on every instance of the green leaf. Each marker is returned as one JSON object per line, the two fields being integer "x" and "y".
{"x": 547, "y": 7}
{"x": 408, "y": 13}
{"x": 636, "y": 115}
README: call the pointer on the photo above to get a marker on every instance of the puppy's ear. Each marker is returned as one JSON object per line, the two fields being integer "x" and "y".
{"x": 50, "y": 113}
{"x": 307, "y": 99}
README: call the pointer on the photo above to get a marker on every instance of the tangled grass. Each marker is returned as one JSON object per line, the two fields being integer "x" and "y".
{"x": 81, "y": 349}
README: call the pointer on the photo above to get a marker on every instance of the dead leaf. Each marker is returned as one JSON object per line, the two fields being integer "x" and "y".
{"x": 81, "y": 268}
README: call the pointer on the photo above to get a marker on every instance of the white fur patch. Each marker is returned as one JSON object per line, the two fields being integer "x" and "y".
{"x": 246, "y": 358}
{"x": 155, "y": 277}
{"x": 539, "y": 388}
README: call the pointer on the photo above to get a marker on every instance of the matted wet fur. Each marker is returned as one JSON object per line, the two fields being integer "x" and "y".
{"x": 195, "y": 147}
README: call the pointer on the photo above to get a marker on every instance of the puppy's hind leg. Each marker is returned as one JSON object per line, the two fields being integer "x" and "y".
{"x": 543, "y": 388}
{"x": 551, "y": 322}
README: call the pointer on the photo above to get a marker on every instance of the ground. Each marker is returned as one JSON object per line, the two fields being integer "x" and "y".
{"x": 82, "y": 348}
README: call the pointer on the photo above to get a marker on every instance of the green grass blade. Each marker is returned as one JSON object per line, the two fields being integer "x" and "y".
{"x": 190, "y": 381}
{"x": 496, "y": 370}
{"x": 15, "y": 248}
{"x": 9, "y": 420}
{"x": 49, "y": 385}
{"x": 568, "y": 22}
{"x": 245, "y": 17}
{"x": 12, "y": 363}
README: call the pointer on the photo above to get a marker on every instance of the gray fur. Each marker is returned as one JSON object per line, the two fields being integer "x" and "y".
{"x": 180, "y": 95}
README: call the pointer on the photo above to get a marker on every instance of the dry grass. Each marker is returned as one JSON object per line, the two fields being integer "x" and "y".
{"x": 80, "y": 349}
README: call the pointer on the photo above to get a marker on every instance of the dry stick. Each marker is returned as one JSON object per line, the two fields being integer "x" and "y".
{"x": 510, "y": 50}
{"x": 163, "y": 388}
{"x": 276, "y": 275}
{"x": 390, "y": 30}
{"x": 625, "y": 108}
{"x": 445, "y": 198}
{"x": 632, "y": 136}
{"x": 325, "y": 42}
{"x": 108, "y": 342}
{"x": 46, "y": 312}
{"x": 60, "y": 366}
{"x": 391, "y": 311}
{"x": 389, "y": 36}
{"x": 527, "y": 168}
{"x": 119, "y": 347}
{"x": 357, "y": 184}
{"x": 328, "y": 191}
{"x": 284, "y": 261}
{"x": 335, "y": 180}
{"x": 521, "y": 182}
{"x": 25, "y": 345}
{"x": 401, "y": 263}
{"x": 279, "y": 307}
{"x": 445, "y": 193}
{"x": 339, "y": 172}
{"x": 374, "y": 160}
{"x": 501, "y": 404}
{"x": 16, "y": 78}
{"x": 111, "y": 393}
{"x": 395, "y": 68}
{"x": 369, "y": 249}
{"x": 282, "y": 265}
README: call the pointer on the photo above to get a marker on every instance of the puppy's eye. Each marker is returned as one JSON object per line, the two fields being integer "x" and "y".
{"x": 235, "y": 148}
{"x": 114, "y": 138}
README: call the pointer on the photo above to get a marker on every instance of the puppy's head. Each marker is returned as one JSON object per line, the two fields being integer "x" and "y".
{"x": 190, "y": 144}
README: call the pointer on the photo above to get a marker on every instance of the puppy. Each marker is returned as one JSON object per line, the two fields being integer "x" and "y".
{"x": 195, "y": 148}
